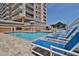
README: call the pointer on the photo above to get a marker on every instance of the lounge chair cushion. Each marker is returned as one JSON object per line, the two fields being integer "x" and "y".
{"x": 52, "y": 37}
{"x": 47, "y": 44}
{"x": 72, "y": 42}
{"x": 56, "y": 37}
{"x": 71, "y": 32}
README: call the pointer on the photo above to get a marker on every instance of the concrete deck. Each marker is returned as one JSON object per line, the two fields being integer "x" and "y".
{"x": 12, "y": 46}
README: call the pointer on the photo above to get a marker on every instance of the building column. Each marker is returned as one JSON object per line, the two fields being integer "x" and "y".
{"x": 14, "y": 29}
{"x": 11, "y": 29}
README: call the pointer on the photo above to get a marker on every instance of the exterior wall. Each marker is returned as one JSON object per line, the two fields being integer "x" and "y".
{"x": 39, "y": 16}
{"x": 13, "y": 29}
{"x": 28, "y": 29}
{"x": 23, "y": 29}
{"x": 27, "y": 13}
{"x": 5, "y": 29}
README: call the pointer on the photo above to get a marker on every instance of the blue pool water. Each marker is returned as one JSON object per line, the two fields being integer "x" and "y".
{"x": 28, "y": 35}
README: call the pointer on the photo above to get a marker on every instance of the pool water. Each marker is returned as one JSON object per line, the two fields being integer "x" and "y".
{"x": 28, "y": 35}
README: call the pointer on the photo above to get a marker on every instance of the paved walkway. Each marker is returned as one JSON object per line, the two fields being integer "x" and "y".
{"x": 12, "y": 46}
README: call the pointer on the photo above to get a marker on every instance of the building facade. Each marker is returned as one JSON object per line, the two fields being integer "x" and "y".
{"x": 31, "y": 15}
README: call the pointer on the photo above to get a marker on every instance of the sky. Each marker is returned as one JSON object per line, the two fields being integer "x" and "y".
{"x": 63, "y": 12}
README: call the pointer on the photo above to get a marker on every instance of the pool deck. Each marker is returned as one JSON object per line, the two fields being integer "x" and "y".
{"x": 13, "y": 46}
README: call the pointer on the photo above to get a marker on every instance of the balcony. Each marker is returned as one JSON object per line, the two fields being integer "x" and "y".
{"x": 44, "y": 20}
{"x": 5, "y": 10}
{"x": 29, "y": 23}
{"x": 45, "y": 5}
{"x": 29, "y": 5}
{"x": 44, "y": 13}
{"x": 29, "y": 18}
{"x": 26, "y": 23}
{"x": 19, "y": 9}
{"x": 44, "y": 16}
{"x": 6, "y": 17}
{"x": 4, "y": 6}
{"x": 38, "y": 19}
{"x": 44, "y": 9}
{"x": 29, "y": 11}
{"x": 15, "y": 6}
{"x": 17, "y": 16}
{"x": 6, "y": 13}
{"x": 13, "y": 18}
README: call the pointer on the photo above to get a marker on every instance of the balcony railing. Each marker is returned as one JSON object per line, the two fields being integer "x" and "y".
{"x": 29, "y": 11}
{"x": 44, "y": 16}
{"x": 10, "y": 22}
{"x": 4, "y": 6}
{"x": 29, "y": 5}
{"x": 17, "y": 10}
{"x": 6, "y": 17}
{"x": 15, "y": 6}
{"x": 17, "y": 16}
{"x": 45, "y": 5}
{"x": 5, "y": 10}
{"x": 5, "y": 13}
{"x": 29, "y": 18}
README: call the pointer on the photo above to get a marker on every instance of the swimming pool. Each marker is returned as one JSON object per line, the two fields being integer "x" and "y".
{"x": 28, "y": 35}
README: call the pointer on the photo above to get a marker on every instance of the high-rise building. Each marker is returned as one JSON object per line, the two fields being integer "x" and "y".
{"x": 27, "y": 16}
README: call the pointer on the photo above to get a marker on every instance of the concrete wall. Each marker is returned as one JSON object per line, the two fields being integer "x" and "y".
{"x": 5, "y": 29}
{"x": 23, "y": 29}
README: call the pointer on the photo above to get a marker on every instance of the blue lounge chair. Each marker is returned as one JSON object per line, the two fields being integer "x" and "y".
{"x": 70, "y": 46}
{"x": 60, "y": 38}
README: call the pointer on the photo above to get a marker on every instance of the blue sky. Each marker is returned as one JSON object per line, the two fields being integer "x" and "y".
{"x": 65, "y": 13}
